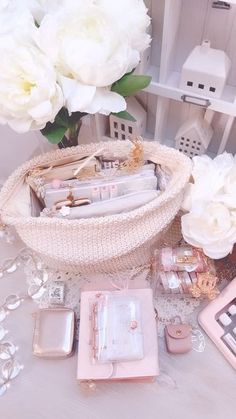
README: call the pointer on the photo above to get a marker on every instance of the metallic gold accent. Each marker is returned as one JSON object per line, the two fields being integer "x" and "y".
{"x": 66, "y": 203}
{"x": 81, "y": 201}
{"x": 87, "y": 173}
{"x": 70, "y": 197}
{"x": 186, "y": 259}
{"x": 178, "y": 332}
{"x": 136, "y": 159}
{"x": 205, "y": 286}
{"x": 2, "y": 226}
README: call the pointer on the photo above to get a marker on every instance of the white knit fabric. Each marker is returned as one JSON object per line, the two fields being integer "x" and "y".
{"x": 104, "y": 244}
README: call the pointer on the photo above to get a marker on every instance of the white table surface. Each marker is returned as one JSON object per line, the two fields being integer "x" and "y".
{"x": 205, "y": 382}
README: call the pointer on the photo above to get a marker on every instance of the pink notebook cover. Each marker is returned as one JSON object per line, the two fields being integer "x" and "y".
{"x": 144, "y": 369}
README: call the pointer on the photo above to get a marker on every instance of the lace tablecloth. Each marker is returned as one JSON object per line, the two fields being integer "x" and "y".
{"x": 168, "y": 307}
{"x": 189, "y": 386}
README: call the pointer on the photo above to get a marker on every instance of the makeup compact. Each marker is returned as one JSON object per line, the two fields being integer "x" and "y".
{"x": 54, "y": 333}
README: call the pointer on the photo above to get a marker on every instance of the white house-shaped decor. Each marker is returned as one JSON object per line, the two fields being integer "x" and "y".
{"x": 121, "y": 129}
{"x": 194, "y": 136}
{"x": 205, "y": 71}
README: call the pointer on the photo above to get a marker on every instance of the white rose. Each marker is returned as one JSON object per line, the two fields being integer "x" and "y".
{"x": 209, "y": 178}
{"x": 230, "y": 182}
{"x": 213, "y": 229}
{"x": 90, "y": 49}
{"x": 228, "y": 194}
{"x": 29, "y": 93}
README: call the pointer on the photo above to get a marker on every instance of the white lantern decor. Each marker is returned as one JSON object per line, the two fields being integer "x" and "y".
{"x": 205, "y": 71}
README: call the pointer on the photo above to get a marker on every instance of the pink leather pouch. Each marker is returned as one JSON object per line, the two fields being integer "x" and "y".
{"x": 178, "y": 338}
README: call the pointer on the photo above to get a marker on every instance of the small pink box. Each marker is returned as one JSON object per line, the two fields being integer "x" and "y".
{"x": 145, "y": 369}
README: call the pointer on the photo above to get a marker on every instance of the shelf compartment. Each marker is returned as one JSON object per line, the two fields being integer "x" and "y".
{"x": 226, "y": 104}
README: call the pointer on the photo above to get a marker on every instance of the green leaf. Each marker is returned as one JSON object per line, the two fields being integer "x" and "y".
{"x": 130, "y": 84}
{"x": 62, "y": 118}
{"x": 125, "y": 115}
{"x": 53, "y": 132}
{"x": 75, "y": 117}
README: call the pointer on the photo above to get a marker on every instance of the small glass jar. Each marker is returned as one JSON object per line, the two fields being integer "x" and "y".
{"x": 173, "y": 283}
{"x": 184, "y": 258}
{"x": 175, "y": 271}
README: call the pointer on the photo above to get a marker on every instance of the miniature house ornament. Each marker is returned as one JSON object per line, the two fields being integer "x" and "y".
{"x": 194, "y": 136}
{"x": 122, "y": 129}
{"x": 205, "y": 71}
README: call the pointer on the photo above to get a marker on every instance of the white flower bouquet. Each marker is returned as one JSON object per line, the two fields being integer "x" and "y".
{"x": 61, "y": 59}
{"x": 211, "y": 204}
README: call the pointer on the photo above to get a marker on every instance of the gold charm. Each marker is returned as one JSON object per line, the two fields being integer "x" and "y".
{"x": 186, "y": 259}
{"x": 205, "y": 286}
{"x": 136, "y": 159}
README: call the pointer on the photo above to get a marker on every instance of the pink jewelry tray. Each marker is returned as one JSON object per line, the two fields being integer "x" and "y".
{"x": 218, "y": 319}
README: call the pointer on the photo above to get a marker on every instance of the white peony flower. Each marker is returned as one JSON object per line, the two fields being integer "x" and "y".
{"x": 39, "y": 8}
{"x": 132, "y": 20}
{"x": 16, "y": 20}
{"x": 29, "y": 93}
{"x": 227, "y": 195}
{"x": 213, "y": 229}
{"x": 208, "y": 180}
{"x": 230, "y": 181}
{"x": 92, "y": 46}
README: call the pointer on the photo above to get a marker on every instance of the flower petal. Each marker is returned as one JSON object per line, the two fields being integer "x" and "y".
{"x": 106, "y": 102}
{"x": 78, "y": 96}
{"x": 42, "y": 110}
{"x": 227, "y": 199}
{"x": 219, "y": 250}
{"x": 20, "y": 125}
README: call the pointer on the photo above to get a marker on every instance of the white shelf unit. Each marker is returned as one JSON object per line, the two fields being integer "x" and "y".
{"x": 177, "y": 27}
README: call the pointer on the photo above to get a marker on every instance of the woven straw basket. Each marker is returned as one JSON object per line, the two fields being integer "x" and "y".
{"x": 104, "y": 244}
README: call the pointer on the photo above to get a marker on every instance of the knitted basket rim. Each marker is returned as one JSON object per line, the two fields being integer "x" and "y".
{"x": 176, "y": 162}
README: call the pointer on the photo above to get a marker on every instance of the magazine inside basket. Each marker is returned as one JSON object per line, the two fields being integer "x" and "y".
{"x": 87, "y": 185}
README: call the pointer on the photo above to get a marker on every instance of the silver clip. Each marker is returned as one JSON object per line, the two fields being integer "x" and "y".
{"x": 204, "y": 103}
{"x": 224, "y": 5}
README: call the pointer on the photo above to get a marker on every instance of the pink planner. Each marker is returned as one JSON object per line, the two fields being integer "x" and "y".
{"x": 142, "y": 369}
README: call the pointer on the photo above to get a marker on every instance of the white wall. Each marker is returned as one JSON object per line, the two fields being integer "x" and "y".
{"x": 17, "y": 148}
